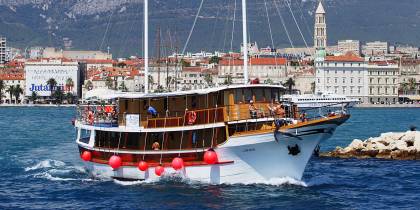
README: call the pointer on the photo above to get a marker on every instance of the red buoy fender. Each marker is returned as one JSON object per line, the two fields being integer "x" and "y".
{"x": 177, "y": 163}
{"x": 115, "y": 161}
{"x": 143, "y": 166}
{"x": 159, "y": 170}
{"x": 210, "y": 157}
{"x": 86, "y": 156}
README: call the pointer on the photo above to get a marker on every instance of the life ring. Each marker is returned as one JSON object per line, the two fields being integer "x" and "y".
{"x": 91, "y": 118}
{"x": 192, "y": 117}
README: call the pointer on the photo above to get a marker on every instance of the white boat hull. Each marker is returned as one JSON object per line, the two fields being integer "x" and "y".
{"x": 254, "y": 158}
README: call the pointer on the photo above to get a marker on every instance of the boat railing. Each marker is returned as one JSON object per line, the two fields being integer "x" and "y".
{"x": 97, "y": 115}
{"x": 188, "y": 118}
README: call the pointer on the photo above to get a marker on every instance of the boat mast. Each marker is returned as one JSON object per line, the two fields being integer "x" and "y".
{"x": 245, "y": 41}
{"x": 146, "y": 46}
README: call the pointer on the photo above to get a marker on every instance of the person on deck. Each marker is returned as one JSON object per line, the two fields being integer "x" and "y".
{"x": 272, "y": 108}
{"x": 156, "y": 146}
{"x": 252, "y": 109}
{"x": 280, "y": 112}
{"x": 152, "y": 111}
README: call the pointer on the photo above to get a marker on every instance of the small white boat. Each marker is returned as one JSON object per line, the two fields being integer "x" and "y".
{"x": 320, "y": 99}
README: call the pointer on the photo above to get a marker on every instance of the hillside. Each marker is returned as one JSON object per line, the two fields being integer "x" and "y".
{"x": 45, "y": 22}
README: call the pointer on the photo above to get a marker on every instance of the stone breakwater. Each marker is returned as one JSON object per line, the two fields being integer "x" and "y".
{"x": 398, "y": 146}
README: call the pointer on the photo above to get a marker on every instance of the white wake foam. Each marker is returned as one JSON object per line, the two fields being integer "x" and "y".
{"x": 55, "y": 170}
{"x": 46, "y": 164}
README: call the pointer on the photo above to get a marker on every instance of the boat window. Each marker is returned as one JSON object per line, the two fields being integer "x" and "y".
{"x": 267, "y": 94}
{"x": 84, "y": 136}
{"x": 238, "y": 96}
{"x": 259, "y": 94}
{"x": 248, "y": 95}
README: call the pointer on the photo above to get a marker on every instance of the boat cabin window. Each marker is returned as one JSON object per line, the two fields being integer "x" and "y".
{"x": 84, "y": 136}
{"x": 259, "y": 94}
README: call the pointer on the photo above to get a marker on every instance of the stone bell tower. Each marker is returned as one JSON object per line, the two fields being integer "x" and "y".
{"x": 320, "y": 30}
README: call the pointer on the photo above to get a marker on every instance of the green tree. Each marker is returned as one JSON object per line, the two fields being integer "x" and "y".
{"x": 58, "y": 95}
{"x": 228, "y": 80}
{"x": 313, "y": 87}
{"x": 70, "y": 83}
{"x": 214, "y": 59}
{"x": 89, "y": 85}
{"x": 412, "y": 84}
{"x": 185, "y": 63}
{"x": 109, "y": 83}
{"x": 11, "y": 90}
{"x": 122, "y": 87}
{"x": 404, "y": 88}
{"x": 290, "y": 83}
{"x": 52, "y": 83}
{"x": 2, "y": 87}
{"x": 33, "y": 97}
{"x": 151, "y": 81}
{"x": 69, "y": 97}
{"x": 268, "y": 81}
{"x": 208, "y": 79}
{"x": 17, "y": 91}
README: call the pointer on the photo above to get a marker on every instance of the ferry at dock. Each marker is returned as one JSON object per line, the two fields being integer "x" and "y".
{"x": 218, "y": 135}
{"x": 320, "y": 99}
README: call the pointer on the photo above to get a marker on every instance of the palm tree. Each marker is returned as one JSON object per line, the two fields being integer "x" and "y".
{"x": 52, "y": 83}
{"x": 122, "y": 87}
{"x": 17, "y": 91}
{"x": 33, "y": 97}
{"x": 2, "y": 86}
{"x": 228, "y": 80}
{"x": 404, "y": 88}
{"x": 208, "y": 79}
{"x": 69, "y": 97}
{"x": 150, "y": 80}
{"x": 89, "y": 85}
{"x": 70, "y": 84}
{"x": 58, "y": 95}
{"x": 412, "y": 84}
{"x": 11, "y": 90}
{"x": 109, "y": 83}
{"x": 290, "y": 83}
{"x": 313, "y": 87}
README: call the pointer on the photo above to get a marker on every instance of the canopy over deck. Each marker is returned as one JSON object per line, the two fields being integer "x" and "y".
{"x": 134, "y": 95}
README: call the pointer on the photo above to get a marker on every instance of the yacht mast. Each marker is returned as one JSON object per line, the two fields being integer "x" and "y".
{"x": 146, "y": 46}
{"x": 245, "y": 41}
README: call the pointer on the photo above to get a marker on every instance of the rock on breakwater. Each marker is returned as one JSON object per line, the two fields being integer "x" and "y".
{"x": 398, "y": 146}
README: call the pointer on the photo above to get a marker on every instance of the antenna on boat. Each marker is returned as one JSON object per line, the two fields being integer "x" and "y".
{"x": 245, "y": 41}
{"x": 146, "y": 46}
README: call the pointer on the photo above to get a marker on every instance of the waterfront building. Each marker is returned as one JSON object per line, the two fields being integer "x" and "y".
{"x": 35, "y": 52}
{"x": 75, "y": 54}
{"x": 252, "y": 49}
{"x": 383, "y": 82}
{"x": 345, "y": 75}
{"x": 38, "y": 72}
{"x": 267, "y": 70}
{"x": 375, "y": 48}
{"x": 320, "y": 32}
{"x": 410, "y": 78}
{"x": 345, "y": 46}
{"x": 12, "y": 77}
{"x": 3, "y": 47}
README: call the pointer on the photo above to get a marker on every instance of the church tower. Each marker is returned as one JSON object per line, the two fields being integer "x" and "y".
{"x": 320, "y": 32}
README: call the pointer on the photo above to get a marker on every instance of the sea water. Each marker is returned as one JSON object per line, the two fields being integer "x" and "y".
{"x": 40, "y": 169}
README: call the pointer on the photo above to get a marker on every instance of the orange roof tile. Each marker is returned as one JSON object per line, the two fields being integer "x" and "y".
{"x": 348, "y": 57}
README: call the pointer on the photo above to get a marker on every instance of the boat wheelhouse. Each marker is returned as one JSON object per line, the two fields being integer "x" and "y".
{"x": 242, "y": 124}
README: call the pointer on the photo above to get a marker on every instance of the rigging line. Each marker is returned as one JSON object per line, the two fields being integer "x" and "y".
{"x": 308, "y": 30}
{"x": 283, "y": 23}
{"x": 297, "y": 25}
{"x": 225, "y": 29}
{"x": 271, "y": 32}
{"x": 192, "y": 28}
{"x": 213, "y": 34}
{"x": 233, "y": 27}
{"x": 107, "y": 28}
